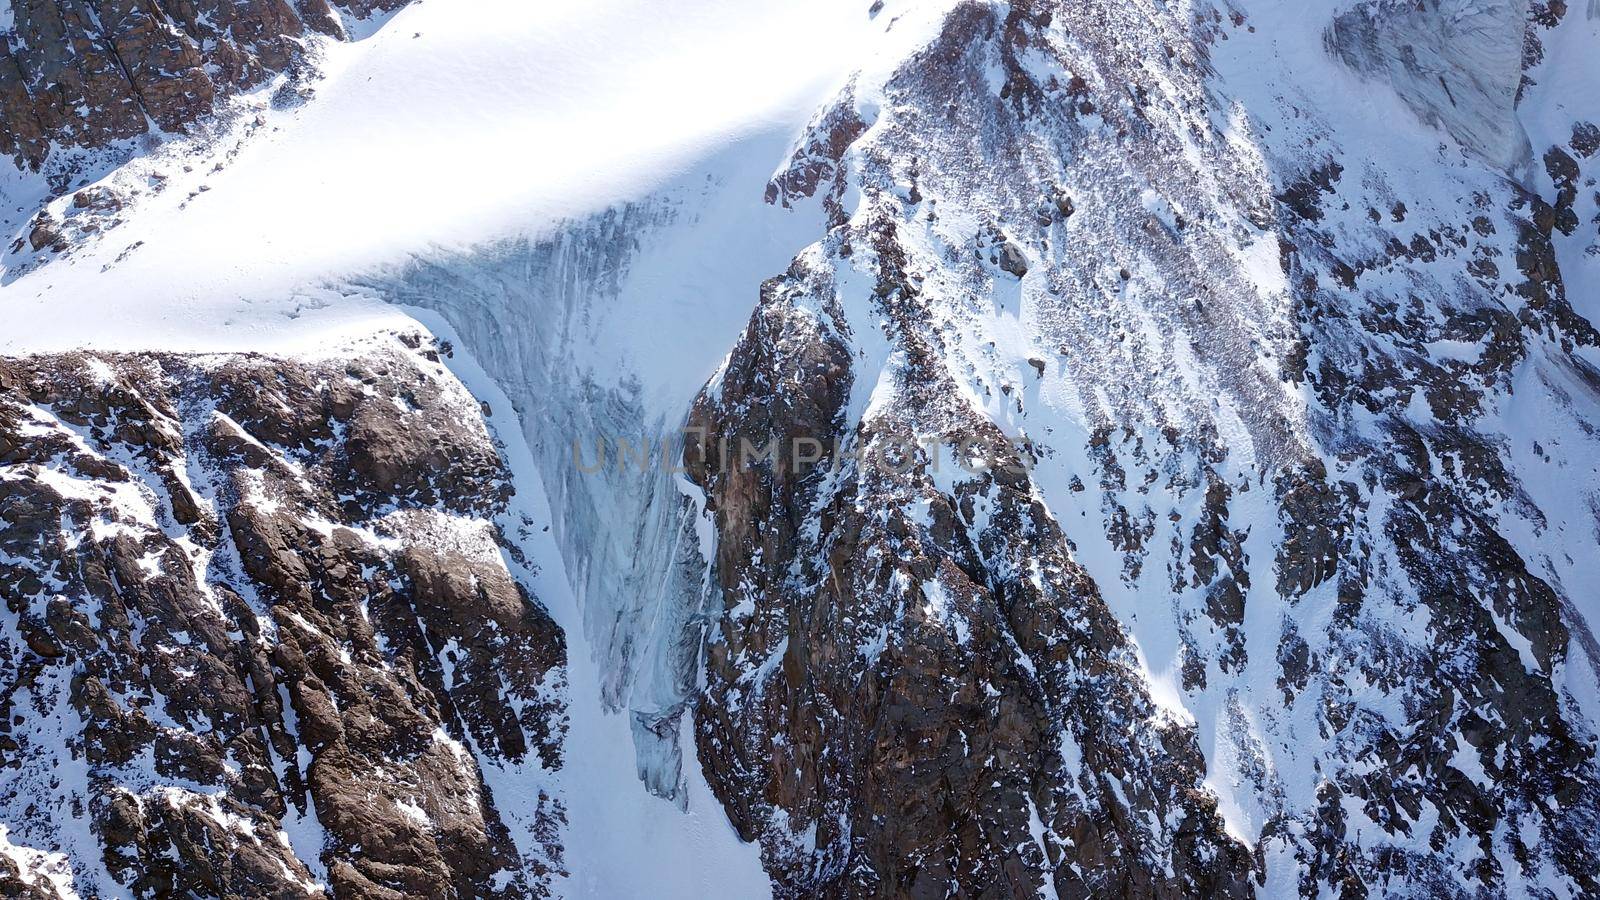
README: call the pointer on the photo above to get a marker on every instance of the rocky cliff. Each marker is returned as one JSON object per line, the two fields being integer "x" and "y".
{"x": 260, "y": 637}
{"x": 1255, "y": 436}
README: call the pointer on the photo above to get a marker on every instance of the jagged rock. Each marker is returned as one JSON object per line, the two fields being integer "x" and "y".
{"x": 46, "y": 234}
{"x": 894, "y": 700}
{"x": 227, "y": 648}
{"x": 897, "y": 692}
{"x": 1012, "y": 260}
{"x": 1585, "y": 139}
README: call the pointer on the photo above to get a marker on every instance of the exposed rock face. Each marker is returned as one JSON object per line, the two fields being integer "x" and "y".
{"x": 260, "y": 637}
{"x": 1267, "y": 408}
{"x": 915, "y": 689}
{"x": 85, "y": 73}
{"x": 913, "y": 674}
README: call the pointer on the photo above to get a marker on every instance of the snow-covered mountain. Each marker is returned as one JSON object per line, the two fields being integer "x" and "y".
{"x": 1200, "y": 491}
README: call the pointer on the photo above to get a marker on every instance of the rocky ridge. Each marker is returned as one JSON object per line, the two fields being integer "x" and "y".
{"x": 261, "y": 635}
{"x": 1266, "y": 408}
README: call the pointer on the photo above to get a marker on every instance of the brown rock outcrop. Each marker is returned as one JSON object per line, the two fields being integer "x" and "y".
{"x": 255, "y": 657}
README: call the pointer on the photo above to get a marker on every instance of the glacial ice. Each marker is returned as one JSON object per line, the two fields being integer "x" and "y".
{"x": 1455, "y": 63}
{"x": 602, "y": 334}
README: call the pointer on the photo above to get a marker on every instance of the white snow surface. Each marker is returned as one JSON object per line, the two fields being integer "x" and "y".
{"x": 459, "y": 121}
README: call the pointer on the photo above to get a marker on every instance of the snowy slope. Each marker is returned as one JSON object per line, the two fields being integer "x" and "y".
{"x": 458, "y": 121}
{"x": 1262, "y": 286}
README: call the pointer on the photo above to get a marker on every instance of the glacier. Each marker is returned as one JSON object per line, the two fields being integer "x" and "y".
{"x": 1457, "y": 63}
{"x": 601, "y": 334}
